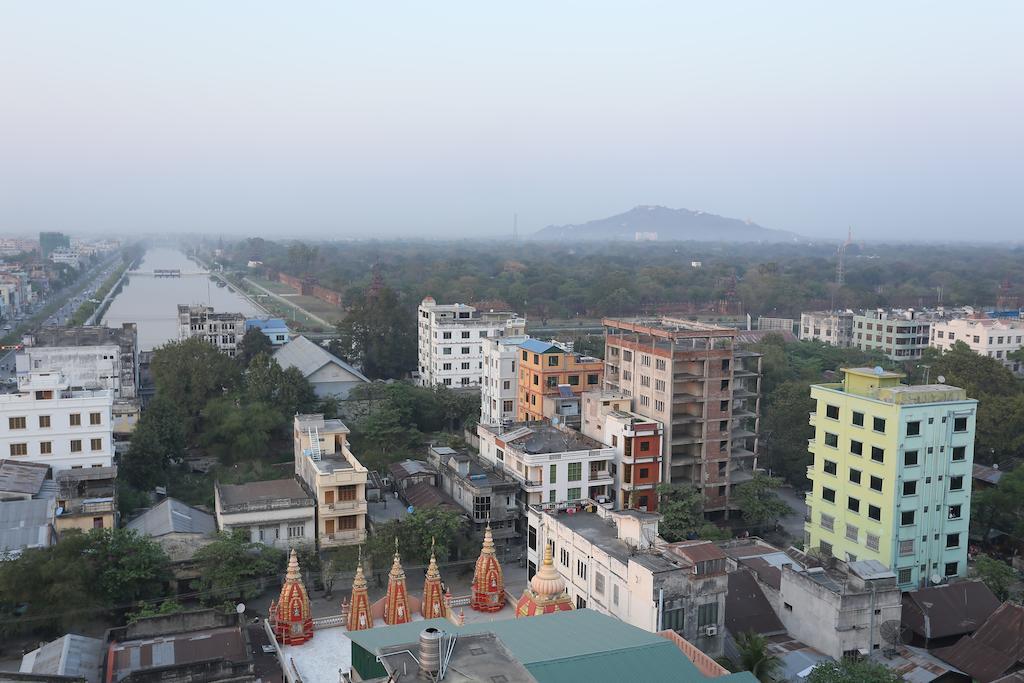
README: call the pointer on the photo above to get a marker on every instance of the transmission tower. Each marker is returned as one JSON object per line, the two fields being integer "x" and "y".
{"x": 841, "y": 262}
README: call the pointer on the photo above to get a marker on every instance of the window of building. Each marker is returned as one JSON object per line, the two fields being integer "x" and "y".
{"x": 826, "y": 548}
{"x": 910, "y": 488}
{"x": 599, "y": 583}
{"x": 446, "y": 351}
{"x": 959, "y": 424}
{"x": 659, "y": 385}
{"x": 16, "y": 423}
{"x": 627, "y": 355}
{"x": 674, "y": 619}
{"x": 659, "y": 405}
{"x": 959, "y": 453}
{"x": 645, "y": 446}
{"x": 574, "y": 494}
{"x": 575, "y": 471}
{"x": 905, "y": 576}
{"x": 574, "y": 380}
{"x": 76, "y": 445}
{"x": 907, "y": 517}
{"x": 95, "y": 418}
{"x": 44, "y": 421}
{"x": 536, "y": 380}
{"x": 552, "y": 496}
{"x": 347, "y": 523}
{"x": 788, "y": 607}
{"x": 592, "y": 379}
{"x": 828, "y": 522}
{"x": 831, "y": 467}
{"x": 876, "y": 483}
{"x": 615, "y": 594}
{"x": 910, "y": 459}
{"x": 828, "y": 494}
{"x": 499, "y": 454}
{"x": 581, "y": 569}
{"x": 831, "y": 440}
{"x": 553, "y": 361}
{"x": 506, "y": 406}
{"x": 552, "y": 473}
{"x": 956, "y": 483}
{"x": 832, "y": 412}
{"x": 526, "y": 356}
{"x": 871, "y": 541}
{"x": 954, "y": 512}
{"x": 952, "y": 540}
{"x": 45, "y": 447}
{"x": 297, "y": 531}
{"x": 707, "y": 614}
{"x": 907, "y": 547}
{"x": 878, "y": 424}
{"x": 645, "y": 401}
{"x": 852, "y": 504}
{"x": 19, "y": 449}
{"x": 852, "y": 533}
{"x": 856, "y": 447}
{"x": 564, "y": 557}
{"x": 723, "y": 406}
{"x": 855, "y": 476}
{"x": 659, "y": 363}
{"x": 465, "y": 350}
{"x": 724, "y": 384}
{"x": 465, "y": 366}
{"x": 952, "y": 568}
{"x": 877, "y": 454}
{"x": 644, "y": 472}
{"x": 96, "y": 444}
{"x": 551, "y": 382}
{"x": 481, "y": 507}
{"x": 914, "y": 428}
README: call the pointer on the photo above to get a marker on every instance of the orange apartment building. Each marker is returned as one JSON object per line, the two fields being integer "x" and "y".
{"x": 695, "y": 380}
{"x": 543, "y": 367}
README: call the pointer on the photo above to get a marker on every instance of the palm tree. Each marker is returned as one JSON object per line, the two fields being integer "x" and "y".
{"x": 754, "y": 657}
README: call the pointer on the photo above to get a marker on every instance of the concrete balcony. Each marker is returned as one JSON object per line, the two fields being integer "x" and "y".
{"x": 346, "y": 507}
{"x": 348, "y": 537}
{"x": 812, "y": 419}
{"x": 601, "y": 478}
{"x": 680, "y": 399}
{"x": 629, "y": 486}
{"x": 686, "y": 439}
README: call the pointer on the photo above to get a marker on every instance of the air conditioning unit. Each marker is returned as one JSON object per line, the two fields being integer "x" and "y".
{"x": 711, "y": 630}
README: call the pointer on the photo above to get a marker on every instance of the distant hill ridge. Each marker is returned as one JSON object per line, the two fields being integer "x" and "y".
{"x": 668, "y": 224}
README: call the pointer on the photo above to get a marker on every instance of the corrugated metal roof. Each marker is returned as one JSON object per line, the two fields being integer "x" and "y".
{"x": 538, "y": 346}
{"x": 950, "y": 610}
{"x": 22, "y": 477}
{"x": 747, "y": 609}
{"x": 69, "y": 655}
{"x": 309, "y": 357}
{"x": 994, "y": 649}
{"x": 989, "y": 475}
{"x": 25, "y": 524}
{"x": 173, "y": 516}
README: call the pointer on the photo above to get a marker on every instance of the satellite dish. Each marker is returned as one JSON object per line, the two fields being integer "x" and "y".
{"x": 879, "y": 370}
{"x": 240, "y": 608}
{"x": 942, "y": 379}
{"x": 936, "y": 579}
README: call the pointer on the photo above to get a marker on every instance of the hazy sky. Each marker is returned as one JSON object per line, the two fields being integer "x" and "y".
{"x": 377, "y": 118}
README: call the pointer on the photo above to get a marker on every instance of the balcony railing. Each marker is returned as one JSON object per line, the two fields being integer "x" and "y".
{"x": 345, "y": 505}
{"x": 349, "y": 536}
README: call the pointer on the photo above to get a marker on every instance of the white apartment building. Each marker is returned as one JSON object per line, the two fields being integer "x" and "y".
{"x": 67, "y": 257}
{"x": 499, "y": 390}
{"x": 553, "y": 464}
{"x": 223, "y": 330}
{"x": 900, "y": 334}
{"x": 278, "y": 513}
{"x": 88, "y": 356}
{"x": 993, "y": 337}
{"x": 46, "y": 422}
{"x": 834, "y": 328}
{"x": 337, "y": 481}
{"x": 450, "y": 338}
{"x": 614, "y": 563}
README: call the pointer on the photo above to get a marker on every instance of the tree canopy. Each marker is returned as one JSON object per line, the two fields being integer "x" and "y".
{"x": 852, "y": 671}
{"x": 682, "y": 514}
{"x": 235, "y": 568}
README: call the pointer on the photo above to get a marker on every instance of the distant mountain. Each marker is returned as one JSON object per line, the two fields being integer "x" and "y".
{"x": 667, "y": 224}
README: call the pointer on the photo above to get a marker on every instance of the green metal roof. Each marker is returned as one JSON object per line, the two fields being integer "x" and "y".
{"x": 579, "y": 645}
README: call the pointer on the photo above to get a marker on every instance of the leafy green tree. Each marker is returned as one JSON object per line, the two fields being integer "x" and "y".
{"x": 234, "y": 431}
{"x": 379, "y": 334}
{"x": 786, "y": 411}
{"x": 233, "y": 567}
{"x": 853, "y": 671}
{"x": 978, "y": 374}
{"x": 1001, "y": 506}
{"x": 286, "y": 390}
{"x": 252, "y": 344}
{"x": 682, "y": 514}
{"x": 191, "y": 372}
{"x": 997, "y": 575}
{"x": 415, "y": 533}
{"x": 144, "y": 610}
{"x": 754, "y": 657}
{"x": 759, "y": 501}
{"x": 157, "y": 442}
{"x": 128, "y": 565}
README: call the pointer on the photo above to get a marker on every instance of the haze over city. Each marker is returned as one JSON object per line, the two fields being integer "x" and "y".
{"x": 444, "y": 119}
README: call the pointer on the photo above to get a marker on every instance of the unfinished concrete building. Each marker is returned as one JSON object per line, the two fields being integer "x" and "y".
{"x": 705, "y": 390}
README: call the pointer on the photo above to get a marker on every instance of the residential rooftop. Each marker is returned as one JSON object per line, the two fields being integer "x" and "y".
{"x": 540, "y": 436}
{"x": 475, "y": 657}
{"x": 254, "y": 496}
{"x": 668, "y": 327}
{"x": 83, "y": 335}
{"x": 25, "y": 478}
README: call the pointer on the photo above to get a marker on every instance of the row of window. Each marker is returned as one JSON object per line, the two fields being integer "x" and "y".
{"x": 906, "y": 574}
{"x": 465, "y": 334}
{"x": 878, "y": 423}
{"x": 573, "y": 494}
{"x": 906, "y": 547}
{"x": 910, "y": 458}
{"x": 74, "y": 420}
{"x": 46, "y": 447}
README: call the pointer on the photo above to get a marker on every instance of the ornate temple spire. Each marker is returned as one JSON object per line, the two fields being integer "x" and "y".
{"x": 396, "y": 602}
{"x": 546, "y": 592}
{"x": 359, "y": 605}
{"x": 488, "y": 590}
{"x": 434, "y": 605}
{"x": 291, "y": 617}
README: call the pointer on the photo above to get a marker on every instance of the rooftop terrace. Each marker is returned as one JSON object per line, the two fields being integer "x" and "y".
{"x": 543, "y": 437}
